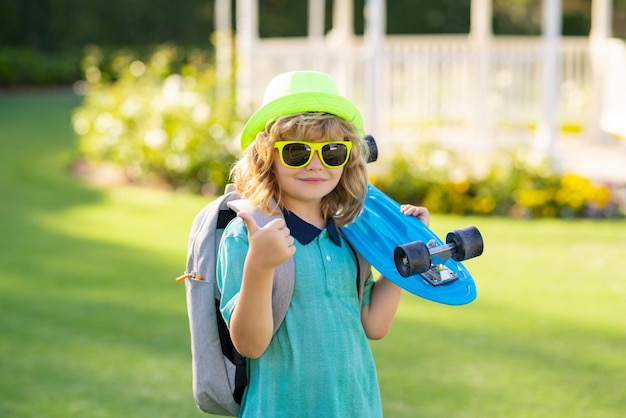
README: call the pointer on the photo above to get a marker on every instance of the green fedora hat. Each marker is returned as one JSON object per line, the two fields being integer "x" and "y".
{"x": 299, "y": 92}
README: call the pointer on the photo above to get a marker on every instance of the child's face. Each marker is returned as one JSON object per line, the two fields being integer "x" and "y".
{"x": 308, "y": 184}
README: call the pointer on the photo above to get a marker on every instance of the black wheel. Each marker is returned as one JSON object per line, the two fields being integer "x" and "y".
{"x": 468, "y": 242}
{"x": 412, "y": 258}
{"x": 371, "y": 148}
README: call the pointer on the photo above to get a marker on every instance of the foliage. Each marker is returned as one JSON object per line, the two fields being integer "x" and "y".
{"x": 157, "y": 122}
{"x": 506, "y": 183}
{"x": 55, "y": 25}
{"x": 31, "y": 67}
{"x": 421, "y": 17}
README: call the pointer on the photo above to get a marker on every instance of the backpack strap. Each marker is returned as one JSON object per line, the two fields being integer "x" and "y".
{"x": 284, "y": 274}
{"x": 364, "y": 269}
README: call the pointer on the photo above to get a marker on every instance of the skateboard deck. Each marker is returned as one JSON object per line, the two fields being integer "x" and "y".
{"x": 381, "y": 228}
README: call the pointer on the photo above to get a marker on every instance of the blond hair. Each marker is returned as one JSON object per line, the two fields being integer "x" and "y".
{"x": 254, "y": 176}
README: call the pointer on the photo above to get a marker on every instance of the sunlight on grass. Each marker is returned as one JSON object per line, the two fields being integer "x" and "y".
{"x": 139, "y": 218}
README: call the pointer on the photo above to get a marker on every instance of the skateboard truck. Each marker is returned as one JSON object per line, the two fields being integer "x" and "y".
{"x": 428, "y": 259}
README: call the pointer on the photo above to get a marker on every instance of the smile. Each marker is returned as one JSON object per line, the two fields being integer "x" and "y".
{"x": 313, "y": 180}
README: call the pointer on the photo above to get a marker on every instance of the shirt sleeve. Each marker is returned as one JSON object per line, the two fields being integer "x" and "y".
{"x": 230, "y": 261}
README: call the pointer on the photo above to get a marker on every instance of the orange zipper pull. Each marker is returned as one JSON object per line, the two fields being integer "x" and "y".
{"x": 189, "y": 276}
{"x": 183, "y": 277}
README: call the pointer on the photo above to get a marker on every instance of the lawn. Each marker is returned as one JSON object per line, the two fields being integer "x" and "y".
{"x": 93, "y": 324}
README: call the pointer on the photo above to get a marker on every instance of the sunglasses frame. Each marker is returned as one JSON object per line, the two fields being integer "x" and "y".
{"x": 314, "y": 146}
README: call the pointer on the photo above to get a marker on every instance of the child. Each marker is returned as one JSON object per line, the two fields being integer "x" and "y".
{"x": 304, "y": 155}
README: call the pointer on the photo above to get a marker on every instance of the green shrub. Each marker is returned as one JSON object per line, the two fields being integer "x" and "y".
{"x": 159, "y": 118}
{"x": 505, "y": 184}
{"x": 31, "y": 67}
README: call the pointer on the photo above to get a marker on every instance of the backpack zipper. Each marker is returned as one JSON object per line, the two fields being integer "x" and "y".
{"x": 191, "y": 275}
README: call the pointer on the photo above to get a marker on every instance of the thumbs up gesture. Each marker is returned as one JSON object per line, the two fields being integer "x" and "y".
{"x": 270, "y": 245}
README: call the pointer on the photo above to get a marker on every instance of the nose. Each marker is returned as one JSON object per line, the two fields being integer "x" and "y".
{"x": 315, "y": 163}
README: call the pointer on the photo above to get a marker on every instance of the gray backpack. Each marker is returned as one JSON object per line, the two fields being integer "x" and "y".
{"x": 219, "y": 372}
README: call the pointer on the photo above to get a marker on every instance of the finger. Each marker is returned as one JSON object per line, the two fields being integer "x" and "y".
{"x": 418, "y": 211}
{"x": 412, "y": 210}
{"x": 409, "y": 209}
{"x": 251, "y": 224}
{"x": 280, "y": 227}
{"x": 277, "y": 224}
{"x": 282, "y": 231}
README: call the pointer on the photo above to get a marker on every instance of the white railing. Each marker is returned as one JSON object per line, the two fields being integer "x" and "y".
{"x": 431, "y": 85}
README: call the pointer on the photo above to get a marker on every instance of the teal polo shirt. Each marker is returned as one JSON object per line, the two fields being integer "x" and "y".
{"x": 319, "y": 362}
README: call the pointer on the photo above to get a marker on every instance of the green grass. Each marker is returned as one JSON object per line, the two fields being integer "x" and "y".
{"x": 93, "y": 325}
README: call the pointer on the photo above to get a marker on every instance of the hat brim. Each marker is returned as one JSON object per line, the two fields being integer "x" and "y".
{"x": 300, "y": 103}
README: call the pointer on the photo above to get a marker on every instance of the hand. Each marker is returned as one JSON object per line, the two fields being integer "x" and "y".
{"x": 419, "y": 212}
{"x": 270, "y": 245}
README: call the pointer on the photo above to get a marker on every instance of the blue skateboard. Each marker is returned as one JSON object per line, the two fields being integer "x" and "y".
{"x": 408, "y": 253}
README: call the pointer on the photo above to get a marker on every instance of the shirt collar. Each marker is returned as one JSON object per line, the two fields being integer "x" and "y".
{"x": 305, "y": 233}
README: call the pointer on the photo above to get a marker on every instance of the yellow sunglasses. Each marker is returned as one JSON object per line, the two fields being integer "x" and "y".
{"x": 297, "y": 154}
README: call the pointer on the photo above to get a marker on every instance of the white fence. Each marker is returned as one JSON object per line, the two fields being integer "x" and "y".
{"x": 613, "y": 118}
{"x": 436, "y": 87}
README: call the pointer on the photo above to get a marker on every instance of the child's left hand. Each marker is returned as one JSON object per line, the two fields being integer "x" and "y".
{"x": 419, "y": 212}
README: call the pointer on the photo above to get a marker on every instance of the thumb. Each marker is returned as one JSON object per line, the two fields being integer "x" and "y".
{"x": 249, "y": 221}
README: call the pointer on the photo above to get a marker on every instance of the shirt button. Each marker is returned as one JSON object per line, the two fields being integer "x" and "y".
{"x": 328, "y": 258}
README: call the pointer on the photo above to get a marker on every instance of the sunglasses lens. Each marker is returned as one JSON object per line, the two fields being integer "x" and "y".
{"x": 334, "y": 155}
{"x": 296, "y": 154}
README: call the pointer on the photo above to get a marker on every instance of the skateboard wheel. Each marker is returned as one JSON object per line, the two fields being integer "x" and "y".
{"x": 371, "y": 148}
{"x": 468, "y": 242}
{"x": 412, "y": 258}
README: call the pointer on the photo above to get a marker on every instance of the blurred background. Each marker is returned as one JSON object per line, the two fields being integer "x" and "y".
{"x": 119, "y": 122}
